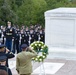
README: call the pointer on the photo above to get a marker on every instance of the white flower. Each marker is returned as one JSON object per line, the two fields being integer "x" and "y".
{"x": 37, "y": 41}
{"x": 31, "y": 44}
{"x": 40, "y": 59}
{"x": 39, "y": 44}
{"x": 35, "y": 44}
{"x": 42, "y": 42}
{"x": 43, "y": 56}
{"x": 36, "y": 59}
{"x": 38, "y": 56}
{"x": 32, "y": 48}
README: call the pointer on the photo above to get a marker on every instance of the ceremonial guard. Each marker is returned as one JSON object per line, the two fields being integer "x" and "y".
{"x": 36, "y": 35}
{"x": 3, "y": 31}
{"x": 7, "y": 52}
{"x": 42, "y": 35}
{"x": 23, "y": 38}
{"x": 27, "y": 32}
{"x": 1, "y": 39}
{"x": 9, "y": 34}
{"x": 4, "y": 70}
{"x": 32, "y": 36}
{"x": 16, "y": 43}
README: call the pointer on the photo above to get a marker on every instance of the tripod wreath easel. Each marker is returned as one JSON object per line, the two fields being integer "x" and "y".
{"x": 42, "y": 69}
{"x": 42, "y": 51}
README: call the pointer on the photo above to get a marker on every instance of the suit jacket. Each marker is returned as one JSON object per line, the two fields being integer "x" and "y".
{"x": 23, "y": 62}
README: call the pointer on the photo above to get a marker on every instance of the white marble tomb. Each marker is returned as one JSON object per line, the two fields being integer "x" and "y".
{"x": 60, "y": 27}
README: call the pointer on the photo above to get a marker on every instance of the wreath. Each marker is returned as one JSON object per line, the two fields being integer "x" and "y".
{"x": 41, "y": 49}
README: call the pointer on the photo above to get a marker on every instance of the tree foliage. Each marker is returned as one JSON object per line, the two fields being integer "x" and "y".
{"x": 7, "y": 13}
{"x": 32, "y": 12}
{"x": 29, "y": 11}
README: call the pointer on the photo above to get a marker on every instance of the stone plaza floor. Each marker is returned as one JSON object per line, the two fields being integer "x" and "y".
{"x": 59, "y": 63}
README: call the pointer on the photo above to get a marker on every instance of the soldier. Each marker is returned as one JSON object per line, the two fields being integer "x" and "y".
{"x": 9, "y": 34}
{"x": 23, "y": 38}
{"x": 16, "y": 41}
{"x": 23, "y": 27}
{"x": 42, "y": 36}
{"x": 5, "y": 51}
{"x": 1, "y": 38}
{"x": 4, "y": 70}
{"x": 32, "y": 36}
{"x": 36, "y": 35}
{"x": 4, "y": 39}
{"x": 27, "y": 32}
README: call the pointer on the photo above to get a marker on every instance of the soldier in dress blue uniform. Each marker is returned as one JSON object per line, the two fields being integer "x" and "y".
{"x": 9, "y": 34}
{"x": 24, "y": 38}
{"x": 1, "y": 39}
{"x": 7, "y": 52}
{"x": 3, "y": 30}
{"x": 32, "y": 36}
{"x": 42, "y": 35}
{"x": 4, "y": 70}
{"x": 16, "y": 41}
{"x": 36, "y": 34}
{"x": 27, "y": 32}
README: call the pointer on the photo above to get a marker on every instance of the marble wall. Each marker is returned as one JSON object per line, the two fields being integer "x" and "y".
{"x": 60, "y": 27}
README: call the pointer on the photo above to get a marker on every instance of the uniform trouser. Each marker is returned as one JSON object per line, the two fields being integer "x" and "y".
{"x": 15, "y": 46}
{"x": 25, "y": 74}
{"x": 9, "y": 43}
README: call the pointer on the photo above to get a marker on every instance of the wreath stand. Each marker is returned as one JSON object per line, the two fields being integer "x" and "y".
{"x": 42, "y": 51}
{"x": 42, "y": 69}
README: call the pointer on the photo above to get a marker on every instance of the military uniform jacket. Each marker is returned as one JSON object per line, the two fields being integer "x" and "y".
{"x": 23, "y": 62}
{"x": 8, "y": 55}
{"x": 42, "y": 37}
{"x": 9, "y": 33}
{"x": 36, "y": 36}
{"x": 6, "y": 69}
{"x": 27, "y": 35}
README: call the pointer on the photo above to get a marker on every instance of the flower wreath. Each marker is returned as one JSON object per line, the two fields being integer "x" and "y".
{"x": 41, "y": 49}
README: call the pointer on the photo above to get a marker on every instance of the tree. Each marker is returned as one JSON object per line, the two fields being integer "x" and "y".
{"x": 7, "y": 13}
{"x": 51, "y": 4}
{"x": 32, "y": 11}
